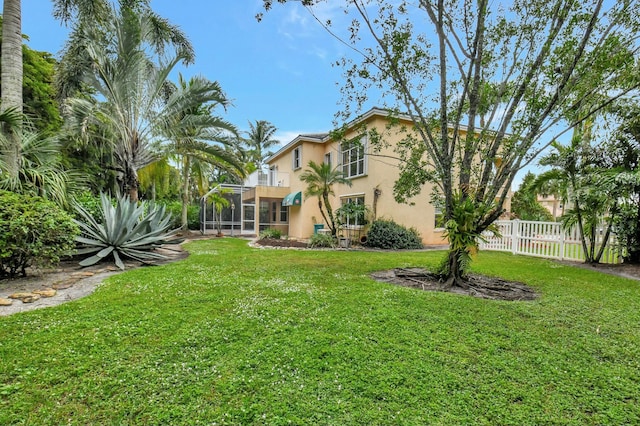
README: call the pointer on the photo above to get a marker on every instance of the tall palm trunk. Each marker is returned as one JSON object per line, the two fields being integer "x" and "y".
{"x": 11, "y": 73}
{"x": 186, "y": 167}
{"x": 11, "y": 56}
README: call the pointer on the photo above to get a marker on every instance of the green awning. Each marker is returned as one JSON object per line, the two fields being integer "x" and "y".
{"x": 293, "y": 199}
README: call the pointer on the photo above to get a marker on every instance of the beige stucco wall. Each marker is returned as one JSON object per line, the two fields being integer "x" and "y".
{"x": 382, "y": 173}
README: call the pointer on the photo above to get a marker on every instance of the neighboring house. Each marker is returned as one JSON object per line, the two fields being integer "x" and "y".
{"x": 275, "y": 198}
{"x": 554, "y": 205}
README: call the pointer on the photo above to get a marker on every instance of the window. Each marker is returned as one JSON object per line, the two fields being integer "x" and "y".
{"x": 438, "y": 221}
{"x": 297, "y": 158}
{"x": 352, "y": 155}
{"x": 274, "y": 212}
{"x": 284, "y": 213}
{"x": 327, "y": 159}
{"x": 353, "y": 210}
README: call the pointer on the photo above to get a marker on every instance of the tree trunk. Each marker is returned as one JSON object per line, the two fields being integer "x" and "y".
{"x": 185, "y": 193}
{"x": 11, "y": 56}
{"x": 11, "y": 74}
{"x": 327, "y": 206}
{"x": 452, "y": 273}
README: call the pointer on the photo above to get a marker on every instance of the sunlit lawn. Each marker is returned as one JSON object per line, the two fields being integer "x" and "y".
{"x": 235, "y": 335}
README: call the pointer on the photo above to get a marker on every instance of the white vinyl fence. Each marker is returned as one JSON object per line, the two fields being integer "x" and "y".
{"x": 546, "y": 239}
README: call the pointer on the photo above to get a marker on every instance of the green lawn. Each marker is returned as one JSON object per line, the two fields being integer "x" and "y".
{"x": 235, "y": 335}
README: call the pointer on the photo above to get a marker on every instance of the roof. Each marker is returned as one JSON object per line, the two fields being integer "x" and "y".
{"x": 324, "y": 137}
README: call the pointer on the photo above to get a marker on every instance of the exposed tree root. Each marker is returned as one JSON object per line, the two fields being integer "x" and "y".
{"x": 473, "y": 285}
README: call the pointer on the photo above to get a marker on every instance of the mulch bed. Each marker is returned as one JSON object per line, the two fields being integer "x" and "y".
{"x": 276, "y": 242}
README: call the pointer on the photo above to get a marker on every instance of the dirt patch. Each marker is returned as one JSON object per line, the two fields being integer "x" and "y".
{"x": 477, "y": 285}
{"x": 278, "y": 242}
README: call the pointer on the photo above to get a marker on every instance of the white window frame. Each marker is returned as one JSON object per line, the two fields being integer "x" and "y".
{"x": 296, "y": 157}
{"x": 328, "y": 159}
{"x": 357, "y": 199}
{"x": 353, "y": 154}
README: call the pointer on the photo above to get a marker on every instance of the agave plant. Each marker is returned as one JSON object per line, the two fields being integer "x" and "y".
{"x": 128, "y": 229}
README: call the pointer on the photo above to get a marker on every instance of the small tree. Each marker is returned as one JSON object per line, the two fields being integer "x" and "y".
{"x": 525, "y": 205}
{"x": 320, "y": 179}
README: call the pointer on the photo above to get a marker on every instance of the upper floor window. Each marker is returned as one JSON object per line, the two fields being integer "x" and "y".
{"x": 297, "y": 158}
{"x": 327, "y": 159}
{"x": 353, "y": 159}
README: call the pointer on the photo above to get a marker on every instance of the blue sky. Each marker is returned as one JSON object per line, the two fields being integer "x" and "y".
{"x": 279, "y": 70}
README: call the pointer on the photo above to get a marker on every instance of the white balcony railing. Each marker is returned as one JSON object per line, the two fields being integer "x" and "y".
{"x": 270, "y": 178}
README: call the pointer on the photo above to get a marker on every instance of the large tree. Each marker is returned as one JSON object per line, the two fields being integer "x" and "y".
{"x": 133, "y": 105}
{"x": 435, "y": 60}
{"x": 198, "y": 137}
{"x": 258, "y": 140}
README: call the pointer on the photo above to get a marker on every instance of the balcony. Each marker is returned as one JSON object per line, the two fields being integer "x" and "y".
{"x": 270, "y": 178}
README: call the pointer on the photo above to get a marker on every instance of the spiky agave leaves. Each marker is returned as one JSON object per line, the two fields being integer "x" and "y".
{"x": 128, "y": 230}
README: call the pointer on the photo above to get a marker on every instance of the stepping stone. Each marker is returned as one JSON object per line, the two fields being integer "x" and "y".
{"x": 25, "y": 297}
{"x": 47, "y": 292}
{"x": 64, "y": 284}
{"x": 5, "y": 302}
{"x": 83, "y": 274}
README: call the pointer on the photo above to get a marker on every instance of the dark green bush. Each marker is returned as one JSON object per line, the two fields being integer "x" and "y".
{"x": 175, "y": 208}
{"x": 90, "y": 203}
{"x": 33, "y": 232}
{"x": 322, "y": 240}
{"x": 386, "y": 234}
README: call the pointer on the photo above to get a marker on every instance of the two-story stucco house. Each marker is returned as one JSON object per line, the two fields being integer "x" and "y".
{"x": 278, "y": 196}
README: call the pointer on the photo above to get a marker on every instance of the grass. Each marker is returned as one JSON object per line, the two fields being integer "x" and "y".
{"x": 234, "y": 335}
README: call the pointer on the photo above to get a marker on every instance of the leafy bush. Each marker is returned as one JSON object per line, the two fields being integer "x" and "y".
{"x": 322, "y": 240}
{"x": 126, "y": 230}
{"x": 386, "y": 234}
{"x": 33, "y": 231}
{"x": 175, "y": 208}
{"x": 89, "y": 202}
{"x": 276, "y": 234}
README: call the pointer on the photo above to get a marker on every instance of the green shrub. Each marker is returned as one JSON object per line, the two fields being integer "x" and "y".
{"x": 90, "y": 203}
{"x": 322, "y": 240}
{"x": 386, "y": 234}
{"x": 175, "y": 208}
{"x": 33, "y": 232}
{"x": 127, "y": 229}
{"x": 276, "y": 234}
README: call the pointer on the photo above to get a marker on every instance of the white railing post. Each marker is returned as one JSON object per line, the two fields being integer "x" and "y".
{"x": 563, "y": 235}
{"x": 515, "y": 228}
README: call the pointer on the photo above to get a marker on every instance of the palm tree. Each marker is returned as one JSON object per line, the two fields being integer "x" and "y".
{"x": 577, "y": 182}
{"x": 11, "y": 56}
{"x": 320, "y": 179}
{"x": 259, "y": 139}
{"x": 30, "y": 163}
{"x": 131, "y": 106}
{"x": 97, "y": 15}
{"x": 198, "y": 138}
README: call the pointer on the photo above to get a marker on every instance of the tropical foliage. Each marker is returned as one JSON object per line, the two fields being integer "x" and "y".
{"x": 30, "y": 163}
{"x": 320, "y": 179}
{"x": 525, "y": 205}
{"x": 33, "y": 232}
{"x": 127, "y": 230}
{"x": 133, "y": 105}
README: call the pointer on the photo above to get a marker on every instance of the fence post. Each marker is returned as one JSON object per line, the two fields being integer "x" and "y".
{"x": 515, "y": 227}
{"x": 563, "y": 235}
